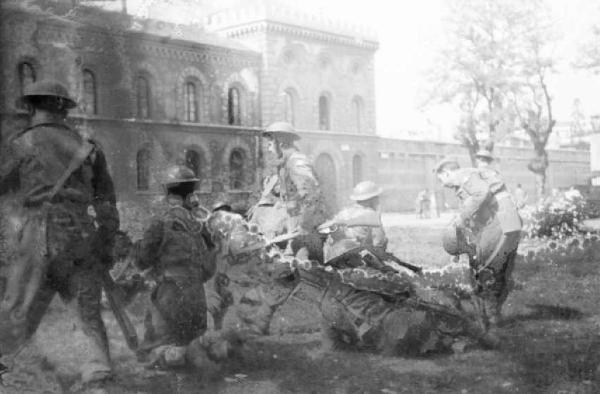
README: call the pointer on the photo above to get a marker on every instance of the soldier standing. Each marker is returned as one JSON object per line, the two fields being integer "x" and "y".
{"x": 174, "y": 248}
{"x": 299, "y": 188}
{"x": 484, "y": 158}
{"x": 490, "y": 216}
{"x": 55, "y": 184}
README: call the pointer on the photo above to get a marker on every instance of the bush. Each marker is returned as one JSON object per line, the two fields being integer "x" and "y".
{"x": 567, "y": 250}
{"x": 555, "y": 218}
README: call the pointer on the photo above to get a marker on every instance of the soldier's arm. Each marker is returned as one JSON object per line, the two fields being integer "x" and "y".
{"x": 302, "y": 175}
{"x": 478, "y": 192}
{"x": 380, "y": 240}
{"x": 10, "y": 161}
{"x": 148, "y": 248}
{"x": 105, "y": 200}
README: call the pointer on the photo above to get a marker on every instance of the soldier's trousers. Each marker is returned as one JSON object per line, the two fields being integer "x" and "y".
{"x": 492, "y": 270}
{"x": 368, "y": 321}
{"x": 177, "y": 313}
{"x": 81, "y": 291}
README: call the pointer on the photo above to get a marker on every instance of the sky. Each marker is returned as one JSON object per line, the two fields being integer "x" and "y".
{"x": 410, "y": 34}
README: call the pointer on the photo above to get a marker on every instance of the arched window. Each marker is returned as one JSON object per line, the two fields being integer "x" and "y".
{"x": 289, "y": 110}
{"x": 89, "y": 93}
{"x": 234, "y": 110}
{"x": 190, "y": 102}
{"x": 236, "y": 169}
{"x": 194, "y": 161}
{"x": 324, "y": 123}
{"x": 143, "y": 169}
{"x": 26, "y": 75}
{"x": 357, "y": 113}
{"x": 357, "y": 169}
{"x": 142, "y": 90}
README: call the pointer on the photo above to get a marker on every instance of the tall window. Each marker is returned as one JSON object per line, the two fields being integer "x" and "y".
{"x": 143, "y": 169}
{"x": 233, "y": 107}
{"x": 191, "y": 102}
{"x": 193, "y": 161}
{"x": 357, "y": 113}
{"x": 89, "y": 93}
{"x": 324, "y": 123}
{"x": 288, "y": 107}
{"x": 357, "y": 169}
{"x": 26, "y": 75}
{"x": 142, "y": 89}
{"x": 236, "y": 169}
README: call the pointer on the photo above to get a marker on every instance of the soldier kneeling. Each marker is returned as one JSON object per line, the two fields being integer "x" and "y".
{"x": 174, "y": 249}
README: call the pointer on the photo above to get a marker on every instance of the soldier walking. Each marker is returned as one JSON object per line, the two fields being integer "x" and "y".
{"x": 488, "y": 228}
{"x": 174, "y": 249}
{"x": 59, "y": 222}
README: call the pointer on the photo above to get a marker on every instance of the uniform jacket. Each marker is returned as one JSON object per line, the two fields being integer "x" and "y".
{"x": 346, "y": 237}
{"x": 483, "y": 195}
{"x": 32, "y": 163}
{"x": 174, "y": 246}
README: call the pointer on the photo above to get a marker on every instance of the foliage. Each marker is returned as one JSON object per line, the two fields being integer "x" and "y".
{"x": 555, "y": 218}
{"x": 493, "y": 69}
{"x": 567, "y": 250}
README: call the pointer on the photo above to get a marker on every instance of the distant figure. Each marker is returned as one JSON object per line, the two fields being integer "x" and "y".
{"x": 433, "y": 205}
{"x": 520, "y": 196}
{"x": 422, "y": 204}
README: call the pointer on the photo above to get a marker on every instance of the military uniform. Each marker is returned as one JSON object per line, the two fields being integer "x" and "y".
{"x": 173, "y": 246}
{"x": 490, "y": 214}
{"x": 67, "y": 235}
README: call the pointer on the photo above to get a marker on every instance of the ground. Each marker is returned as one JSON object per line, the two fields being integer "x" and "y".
{"x": 549, "y": 342}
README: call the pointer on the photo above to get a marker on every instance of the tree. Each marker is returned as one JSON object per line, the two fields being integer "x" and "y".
{"x": 476, "y": 69}
{"x": 531, "y": 96}
{"x": 494, "y": 70}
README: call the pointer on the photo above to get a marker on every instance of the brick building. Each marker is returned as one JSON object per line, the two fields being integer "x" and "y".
{"x": 155, "y": 93}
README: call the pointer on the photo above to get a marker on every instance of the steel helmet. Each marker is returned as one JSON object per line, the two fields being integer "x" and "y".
{"x": 365, "y": 190}
{"x": 49, "y": 87}
{"x": 450, "y": 241}
{"x": 175, "y": 175}
{"x": 281, "y": 130}
{"x": 446, "y": 162}
{"x": 484, "y": 154}
{"x": 221, "y": 205}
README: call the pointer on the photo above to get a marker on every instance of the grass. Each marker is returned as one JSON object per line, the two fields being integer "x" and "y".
{"x": 550, "y": 344}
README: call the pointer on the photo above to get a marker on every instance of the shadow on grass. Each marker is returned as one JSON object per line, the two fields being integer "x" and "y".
{"x": 544, "y": 312}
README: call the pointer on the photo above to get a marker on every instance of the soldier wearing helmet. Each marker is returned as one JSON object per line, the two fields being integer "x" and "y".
{"x": 484, "y": 158}
{"x": 177, "y": 255}
{"x": 57, "y": 185}
{"x": 488, "y": 228}
{"x": 366, "y": 196}
{"x": 299, "y": 189}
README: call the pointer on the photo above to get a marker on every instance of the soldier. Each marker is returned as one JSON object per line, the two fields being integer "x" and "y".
{"x": 174, "y": 248}
{"x": 299, "y": 188}
{"x": 366, "y": 194}
{"x": 56, "y": 190}
{"x": 488, "y": 228}
{"x": 366, "y": 302}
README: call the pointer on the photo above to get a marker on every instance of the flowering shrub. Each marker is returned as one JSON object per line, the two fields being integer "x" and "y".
{"x": 555, "y": 218}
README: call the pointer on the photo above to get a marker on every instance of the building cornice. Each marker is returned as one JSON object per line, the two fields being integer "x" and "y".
{"x": 264, "y": 26}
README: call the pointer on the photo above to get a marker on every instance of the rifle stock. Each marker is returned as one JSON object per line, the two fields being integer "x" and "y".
{"x": 115, "y": 297}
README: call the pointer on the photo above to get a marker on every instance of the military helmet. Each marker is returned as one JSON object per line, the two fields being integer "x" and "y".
{"x": 484, "y": 154}
{"x": 450, "y": 241}
{"x": 365, "y": 190}
{"x": 49, "y": 87}
{"x": 177, "y": 174}
{"x": 446, "y": 162}
{"x": 221, "y": 205}
{"x": 281, "y": 130}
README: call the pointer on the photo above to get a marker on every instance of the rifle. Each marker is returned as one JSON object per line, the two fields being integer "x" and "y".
{"x": 380, "y": 254}
{"x": 368, "y": 219}
{"x": 115, "y": 296}
{"x": 383, "y": 255}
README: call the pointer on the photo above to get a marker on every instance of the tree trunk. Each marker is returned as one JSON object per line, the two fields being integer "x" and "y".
{"x": 540, "y": 185}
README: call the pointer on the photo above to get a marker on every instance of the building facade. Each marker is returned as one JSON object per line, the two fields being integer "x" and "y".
{"x": 155, "y": 93}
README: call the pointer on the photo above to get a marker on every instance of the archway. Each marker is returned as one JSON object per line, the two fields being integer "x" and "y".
{"x": 326, "y": 174}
